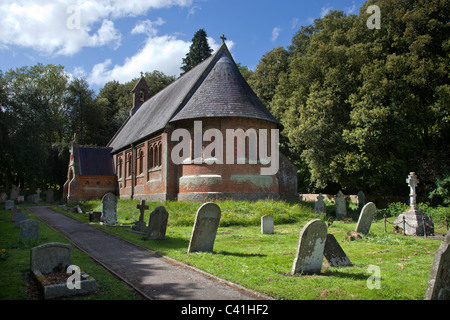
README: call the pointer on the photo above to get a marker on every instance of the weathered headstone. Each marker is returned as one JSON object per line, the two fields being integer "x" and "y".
{"x": 365, "y": 218}
{"x": 205, "y": 228}
{"x": 49, "y": 196}
{"x": 9, "y": 204}
{"x": 19, "y": 217}
{"x": 340, "y": 205}
{"x": 334, "y": 253}
{"x": 38, "y": 196}
{"x": 14, "y": 193}
{"x": 31, "y": 198}
{"x": 3, "y": 197}
{"x": 51, "y": 257}
{"x": 413, "y": 220}
{"x": 320, "y": 206}
{"x": 109, "y": 209}
{"x": 310, "y": 248}
{"x": 140, "y": 224}
{"x": 20, "y": 199}
{"x": 157, "y": 224}
{"x": 361, "y": 197}
{"x": 29, "y": 230}
{"x": 267, "y": 225}
{"x": 438, "y": 287}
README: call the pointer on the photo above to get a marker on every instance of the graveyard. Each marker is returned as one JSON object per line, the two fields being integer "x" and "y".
{"x": 244, "y": 255}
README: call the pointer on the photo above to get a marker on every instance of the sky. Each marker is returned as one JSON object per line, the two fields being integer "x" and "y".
{"x": 109, "y": 40}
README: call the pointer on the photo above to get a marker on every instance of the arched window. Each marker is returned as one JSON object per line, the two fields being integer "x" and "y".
{"x": 128, "y": 165}
{"x": 119, "y": 167}
{"x": 140, "y": 162}
{"x": 150, "y": 157}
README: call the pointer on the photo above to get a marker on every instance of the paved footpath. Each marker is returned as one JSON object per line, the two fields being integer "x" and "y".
{"x": 152, "y": 275}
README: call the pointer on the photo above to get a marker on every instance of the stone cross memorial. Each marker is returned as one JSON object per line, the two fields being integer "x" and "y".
{"x": 140, "y": 225}
{"x": 365, "y": 218}
{"x": 413, "y": 221}
{"x": 438, "y": 287}
{"x": 320, "y": 206}
{"x": 157, "y": 224}
{"x": 310, "y": 248}
{"x": 38, "y": 196}
{"x": 267, "y": 225}
{"x": 205, "y": 228}
{"x": 109, "y": 209}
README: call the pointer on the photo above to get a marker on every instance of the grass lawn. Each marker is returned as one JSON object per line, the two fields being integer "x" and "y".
{"x": 15, "y": 280}
{"x": 263, "y": 262}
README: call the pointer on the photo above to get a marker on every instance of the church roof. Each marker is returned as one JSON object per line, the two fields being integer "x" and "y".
{"x": 95, "y": 161}
{"x": 214, "y": 88}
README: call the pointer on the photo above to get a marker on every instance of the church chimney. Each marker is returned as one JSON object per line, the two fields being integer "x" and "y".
{"x": 141, "y": 93}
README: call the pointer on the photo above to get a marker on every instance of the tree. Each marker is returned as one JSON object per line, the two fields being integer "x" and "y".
{"x": 198, "y": 51}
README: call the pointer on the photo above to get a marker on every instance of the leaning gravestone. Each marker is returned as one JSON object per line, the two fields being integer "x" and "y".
{"x": 109, "y": 209}
{"x": 9, "y": 204}
{"x": 29, "y": 230}
{"x": 438, "y": 287}
{"x": 334, "y": 254}
{"x": 320, "y": 206}
{"x": 340, "y": 205}
{"x": 365, "y": 218}
{"x": 267, "y": 225}
{"x": 310, "y": 248}
{"x": 19, "y": 217}
{"x": 157, "y": 224}
{"x": 205, "y": 228}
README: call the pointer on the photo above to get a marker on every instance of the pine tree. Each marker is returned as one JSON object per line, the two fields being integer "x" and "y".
{"x": 198, "y": 51}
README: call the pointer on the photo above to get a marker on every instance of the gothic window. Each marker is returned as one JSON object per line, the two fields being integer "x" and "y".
{"x": 128, "y": 165}
{"x": 140, "y": 161}
{"x": 119, "y": 167}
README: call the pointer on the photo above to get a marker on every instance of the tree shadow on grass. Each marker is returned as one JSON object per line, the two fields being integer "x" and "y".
{"x": 239, "y": 254}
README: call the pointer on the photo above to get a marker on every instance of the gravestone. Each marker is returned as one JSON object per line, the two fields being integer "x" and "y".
{"x": 3, "y": 197}
{"x": 320, "y": 206}
{"x": 267, "y": 226}
{"x": 31, "y": 198}
{"x": 29, "y": 230}
{"x": 109, "y": 209}
{"x": 95, "y": 216}
{"x": 361, "y": 197}
{"x": 157, "y": 224}
{"x": 51, "y": 257}
{"x": 365, "y": 218}
{"x": 334, "y": 253}
{"x": 340, "y": 205}
{"x": 49, "y": 196}
{"x": 38, "y": 199}
{"x": 14, "y": 193}
{"x": 9, "y": 204}
{"x": 413, "y": 220}
{"x": 205, "y": 228}
{"x": 140, "y": 225}
{"x": 310, "y": 248}
{"x": 438, "y": 287}
{"x": 19, "y": 217}
{"x": 20, "y": 199}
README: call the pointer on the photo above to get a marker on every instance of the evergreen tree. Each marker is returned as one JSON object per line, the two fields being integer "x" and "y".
{"x": 198, "y": 51}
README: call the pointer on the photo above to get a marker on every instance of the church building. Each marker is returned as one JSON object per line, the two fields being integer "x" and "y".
{"x": 206, "y": 136}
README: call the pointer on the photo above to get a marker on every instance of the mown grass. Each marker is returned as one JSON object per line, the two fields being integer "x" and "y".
{"x": 15, "y": 280}
{"x": 263, "y": 262}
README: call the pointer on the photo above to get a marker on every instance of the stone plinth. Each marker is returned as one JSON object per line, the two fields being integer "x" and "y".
{"x": 414, "y": 220}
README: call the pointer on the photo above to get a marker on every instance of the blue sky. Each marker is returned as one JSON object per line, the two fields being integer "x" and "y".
{"x": 115, "y": 39}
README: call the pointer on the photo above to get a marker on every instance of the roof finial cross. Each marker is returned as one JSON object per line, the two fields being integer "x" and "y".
{"x": 142, "y": 74}
{"x": 223, "y": 38}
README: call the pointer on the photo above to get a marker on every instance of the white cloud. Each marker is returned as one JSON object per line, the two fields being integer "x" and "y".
{"x": 45, "y": 26}
{"x": 275, "y": 33}
{"x": 162, "y": 53}
{"x": 147, "y": 27}
{"x": 325, "y": 10}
